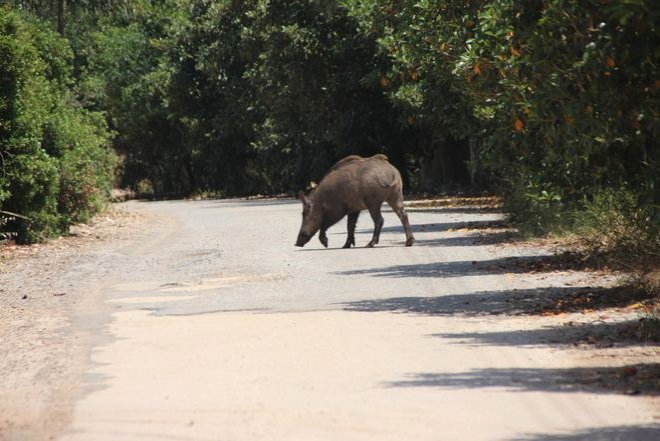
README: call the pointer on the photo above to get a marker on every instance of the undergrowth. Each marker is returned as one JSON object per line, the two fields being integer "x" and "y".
{"x": 612, "y": 230}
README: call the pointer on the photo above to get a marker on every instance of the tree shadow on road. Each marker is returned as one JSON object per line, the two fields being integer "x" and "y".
{"x": 631, "y": 379}
{"x": 477, "y": 237}
{"x": 440, "y": 227}
{"x": 617, "y": 433}
{"x": 517, "y": 265}
{"x": 535, "y": 301}
{"x": 438, "y": 269}
{"x": 603, "y": 334}
{"x": 490, "y": 238}
{"x": 530, "y": 302}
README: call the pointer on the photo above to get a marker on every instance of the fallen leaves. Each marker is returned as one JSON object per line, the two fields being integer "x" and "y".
{"x": 106, "y": 225}
{"x": 642, "y": 378}
{"x": 479, "y": 202}
{"x": 629, "y": 371}
{"x": 584, "y": 301}
{"x": 636, "y": 306}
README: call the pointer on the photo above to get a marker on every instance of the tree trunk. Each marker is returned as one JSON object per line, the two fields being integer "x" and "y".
{"x": 445, "y": 165}
{"x": 60, "y": 16}
{"x": 473, "y": 165}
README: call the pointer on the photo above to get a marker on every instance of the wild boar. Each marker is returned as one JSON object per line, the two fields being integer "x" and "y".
{"x": 353, "y": 184}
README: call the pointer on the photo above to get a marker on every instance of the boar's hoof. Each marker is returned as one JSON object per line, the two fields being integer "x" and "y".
{"x": 370, "y": 244}
{"x": 348, "y": 243}
{"x": 410, "y": 241}
{"x": 324, "y": 241}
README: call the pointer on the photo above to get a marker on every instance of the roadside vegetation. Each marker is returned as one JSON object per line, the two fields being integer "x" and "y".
{"x": 554, "y": 105}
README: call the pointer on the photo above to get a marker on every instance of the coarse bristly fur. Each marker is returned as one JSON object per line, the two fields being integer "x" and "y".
{"x": 352, "y": 185}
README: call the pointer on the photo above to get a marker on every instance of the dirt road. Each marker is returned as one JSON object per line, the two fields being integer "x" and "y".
{"x": 206, "y": 323}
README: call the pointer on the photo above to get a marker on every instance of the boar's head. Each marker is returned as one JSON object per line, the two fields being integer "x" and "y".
{"x": 311, "y": 219}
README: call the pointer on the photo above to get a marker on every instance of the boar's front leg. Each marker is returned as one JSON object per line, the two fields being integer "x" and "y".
{"x": 323, "y": 238}
{"x": 352, "y": 222}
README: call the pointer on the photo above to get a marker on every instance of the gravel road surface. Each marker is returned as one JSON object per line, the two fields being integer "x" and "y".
{"x": 204, "y": 322}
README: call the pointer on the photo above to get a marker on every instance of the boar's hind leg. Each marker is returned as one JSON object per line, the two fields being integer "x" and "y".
{"x": 397, "y": 206}
{"x": 374, "y": 211}
{"x": 352, "y": 222}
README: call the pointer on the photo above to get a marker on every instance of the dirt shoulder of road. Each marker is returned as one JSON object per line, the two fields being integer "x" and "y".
{"x": 41, "y": 361}
{"x": 620, "y": 320}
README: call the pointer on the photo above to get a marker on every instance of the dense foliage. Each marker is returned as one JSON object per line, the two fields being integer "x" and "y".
{"x": 55, "y": 160}
{"x": 293, "y": 87}
{"x": 554, "y": 103}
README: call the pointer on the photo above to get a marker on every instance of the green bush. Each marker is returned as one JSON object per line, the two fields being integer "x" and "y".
{"x": 553, "y": 103}
{"x": 85, "y": 165}
{"x": 125, "y": 73}
{"x": 568, "y": 92}
{"x": 55, "y": 159}
{"x": 614, "y": 225}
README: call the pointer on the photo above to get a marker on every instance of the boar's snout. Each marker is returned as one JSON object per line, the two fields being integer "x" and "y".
{"x": 302, "y": 239}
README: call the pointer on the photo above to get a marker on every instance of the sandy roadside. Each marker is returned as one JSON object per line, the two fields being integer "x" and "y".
{"x": 293, "y": 376}
{"x": 44, "y": 289}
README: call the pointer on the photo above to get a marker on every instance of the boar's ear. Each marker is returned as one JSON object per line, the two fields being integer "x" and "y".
{"x": 305, "y": 200}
